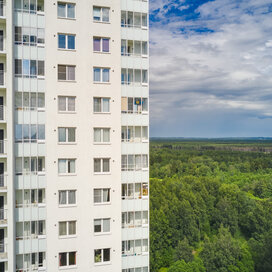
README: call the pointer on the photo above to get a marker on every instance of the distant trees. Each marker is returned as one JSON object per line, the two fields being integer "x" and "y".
{"x": 210, "y": 210}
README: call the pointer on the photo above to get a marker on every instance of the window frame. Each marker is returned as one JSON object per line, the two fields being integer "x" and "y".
{"x": 101, "y": 15}
{"x": 67, "y": 235}
{"x": 67, "y": 161}
{"x": 101, "y": 101}
{"x": 102, "y": 256}
{"x": 66, "y": 104}
{"x": 67, "y": 142}
{"x": 102, "y": 131}
{"x": 102, "y": 232}
{"x": 101, "y": 47}
{"x": 101, "y": 71}
{"x": 66, "y": 48}
{"x": 66, "y": 10}
{"x": 102, "y": 172}
{"x": 68, "y": 259}
{"x": 67, "y": 204}
{"x": 102, "y": 190}
{"x": 67, "y": 73}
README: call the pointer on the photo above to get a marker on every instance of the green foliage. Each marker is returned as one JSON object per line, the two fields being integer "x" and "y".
{"x": 211, "y": 208}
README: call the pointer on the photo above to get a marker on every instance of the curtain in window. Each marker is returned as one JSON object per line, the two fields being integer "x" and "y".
{"x": 97, "y": 135}
{"x": 71, "y": 104}
{"x": 145, "y": 245}
{"x": 131, "y": 190}
{"x": 106, "y": 225}
{"x": 145, "y": 217}
{"x": 145, "y": 161}
{"x": 106, "y": 105}
{"x": 71, "y": 42}
{"x": 62, "y": 166}
{"x": 71, "y": 72}
{"x": 97, "y": 195}
{"x": 71, "y": 135}
{"x": 106, "y": 135}
{"x": 130, "y": 134}
{"x": 71, "y": 11}
{"x": 124, "y": 162}
{"x": 138, "y": 165}
{"x": 106, "y": 75}
{"x": 123, "y": 47}
{"x": 62, "y": 228}
{"x": 105, "y": 14}
{"x": 137, "y": 136}
{"x": 97, "y": 165}
{"x": 71, "y": 197}
{"x": 61, "y": 72}
{"x": 97, "y": 105}
{"x": 131, "y": 218}
{"x": 106, "y": 45}
{"x": 72, "y": 228}
{"x": 130, "y": 104}
{"x": 124, "y": 104}
{"x": 97, "y": 76}
{"x": 138, "y": 246}
{"x": 137, "y": 190}
{"x": 96, "y": 13}
{"x": 62, "y": 103}
{"x": 131, "y": 162}
{"x": 61, "y": 10}
{"x": 144, "y": 131}
{"x": 138, "y": 219}
{"x": 137, "y": 74}
{"x": 130, "y": 76}
{"x": 144, "y": 76}
{"x": 106, "y": 165}
{"x": 96, "y": 44}
{"x": 40, "y": 100}
{"x": 106, "y": 195}
{"x": 62, "y": 197}
{"x": 27, "y": 229}
{"x": 71, "y": 166}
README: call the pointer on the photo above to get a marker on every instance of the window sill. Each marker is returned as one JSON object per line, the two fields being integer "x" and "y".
{"x": 101, "y": 233}
{"x": 101, "y": 52}
{"x": 67, "y": 112}
{"x": 102, "y": 173}
{"x": 67, "y": 267}
{"x": 102, "y": 203}
{"x": 101, "y": 22}
{"x": 64, "y": 49}
{"x": 102, "y": 263}
{"x": 68, "y": 206}
{"x": 67, "y": 81}
{"x": 64, "y": 143}
{"x": 101, "y": 83}
{"x": 67, "y": 18}
{"x": 67, "y": 175}
{"x": 102, "y": 143}
{"x": 101, "y": 113}
{"x": 67, "y": 236}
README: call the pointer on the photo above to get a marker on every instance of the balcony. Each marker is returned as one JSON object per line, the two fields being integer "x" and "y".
{"x": 2, "y": 10}
{"x": 3, "y": 217}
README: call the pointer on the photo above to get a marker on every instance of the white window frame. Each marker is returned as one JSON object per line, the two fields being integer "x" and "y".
{"x": 67, "y": 259}
{"x": 67, "y": 167}
{"x": 67, "y": 73}
{"x": 67, "y": 229}
{"x": 66, "y": 10}
{"x": 102, "y": 107}
{"x": 101, "y": 196}
{"x": 66, "y": 104}
{"x": 67, "y": 198}
{"x": 102, "y": 135}
{"x": 66, "y": 42}
{"x": 101, "y": 44}
{"x": 66, "y": 135}
{"x": 101, "y": 172}
{"x": 101, "y": 75}
{"x": 102, "y": 256}
{"x": 102, "y": 226}
{"x": 101, "y": 15}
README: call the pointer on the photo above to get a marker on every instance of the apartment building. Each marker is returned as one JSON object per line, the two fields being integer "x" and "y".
{"x": 74, "y": 130}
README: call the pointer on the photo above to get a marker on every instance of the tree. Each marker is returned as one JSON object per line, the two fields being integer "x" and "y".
{"x": 184, "y": 251}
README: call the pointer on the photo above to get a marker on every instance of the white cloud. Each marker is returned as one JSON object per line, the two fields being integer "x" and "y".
{"x": 225, "y": 69}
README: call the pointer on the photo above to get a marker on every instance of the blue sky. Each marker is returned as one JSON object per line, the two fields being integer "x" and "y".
{"x": 211, "y": 68}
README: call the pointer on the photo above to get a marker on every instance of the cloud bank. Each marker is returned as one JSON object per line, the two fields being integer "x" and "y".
{"x": 211, "y": 68}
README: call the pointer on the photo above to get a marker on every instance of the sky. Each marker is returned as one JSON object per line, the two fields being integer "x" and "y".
{"x": 211, "y": 68}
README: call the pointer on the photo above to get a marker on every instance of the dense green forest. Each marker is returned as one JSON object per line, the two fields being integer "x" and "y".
{"x": 211, "y": 206}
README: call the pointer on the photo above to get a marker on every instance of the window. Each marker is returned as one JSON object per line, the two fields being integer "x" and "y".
{"x": 67, "y": 228}
{"x": 101, "y": 44}
{"x": 134, "y": 162}
{"x": 67, "y": 259}
{"x": 101, "y": 195}
{"x": 134, "y": 247}
{"x": 66, "y": 10}
{"x": 102, "y": 225}
{"x": 101, "y": 165}
{"x": 134, "y": 76}
{"x": 29, "y": 36}
{"x": 134, "y": 134}
{"x": 67, "y": 197}
{"x": 66, "y": 72}
{"x": 66, "y": 41}
{"x": 29, "y": 229}
{"x": 66, "y": 103}
{"x": 101, "y": 135}
{"x": 134, "y": 48}
{"x": 29, "y": 101}
{"x": 34, "y": 261}
{"x": 134, "y": 219}
{"x": 67, "y": 166}
{"x": 133, "y": 19}
{"x": 67, "y": 135}
{"x": 30, "y": 197}
{"x": 101, "y": 74}
{"x": 29, "y": 165}
{"x": 101, "y": 105}
{"x": 29, "y": 68}
{"x": 134, "y": 190}
{"x": 29, "y": 133}
{"x": 134, "y": 105}
{"x": 102, "y": 255}
{"x": 101, "y": 14}
{"x": 29, "y": 6}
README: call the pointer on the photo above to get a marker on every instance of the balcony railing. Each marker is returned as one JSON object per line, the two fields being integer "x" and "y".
{"x": 3, "y": 148}
{"x": 2, "y": 78}
{"x": 3, "y": 216}
{"x": 3, "y": 181}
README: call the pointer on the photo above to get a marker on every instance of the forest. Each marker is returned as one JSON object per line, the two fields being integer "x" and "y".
{"x": 211, "y": 205}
